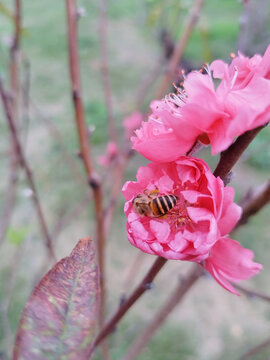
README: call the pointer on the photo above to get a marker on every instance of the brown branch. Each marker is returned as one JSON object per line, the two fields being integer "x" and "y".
{"x": 103, "y": 22}
{"x": 11, "y": 197}
{"x": 24, "y": 164}
{"x": 118, "y": 176}
{"x": 252, "y": 293}
{"x": 257, "y": 349}
{"x": 7, "y": 292}
{"x": 85, "y": 149}
{"x": 148, "y": 80}
{"x": 67, "y": 217}
{"x": 254, "y": 202}
{"x": 229, "y": 157}
{"x": 251, "y": 205}
{"x": 176, "y": 297}
{"x": 179, "y": 49}
{"x": 25, "y": 89}
{"x": 14, "y": 59}
{"x": 132, "y": 272}
{"x": 136, "y": 294}
{"x": 57, "y": 136}
{"x": 14, "y": 86}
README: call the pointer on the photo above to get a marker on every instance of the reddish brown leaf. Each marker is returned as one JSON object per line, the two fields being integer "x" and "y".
{"x": 59, "y": 319}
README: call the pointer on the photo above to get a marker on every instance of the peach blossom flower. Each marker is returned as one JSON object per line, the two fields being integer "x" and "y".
{"x": 201, "y": 112}
{"x": 205, "y": 210}
{"x": 195, "y": 229}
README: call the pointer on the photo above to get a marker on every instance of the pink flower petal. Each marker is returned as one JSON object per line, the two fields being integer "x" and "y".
{"x": 230, "y": 262}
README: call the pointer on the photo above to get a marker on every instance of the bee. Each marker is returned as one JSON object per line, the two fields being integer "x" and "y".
{"x": 153, "y": 205}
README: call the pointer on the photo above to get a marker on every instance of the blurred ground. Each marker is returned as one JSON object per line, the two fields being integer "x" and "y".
{"x": 211, "y": 323}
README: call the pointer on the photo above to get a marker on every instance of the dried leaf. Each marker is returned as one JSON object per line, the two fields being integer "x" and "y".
{"x": 59, "y": 319}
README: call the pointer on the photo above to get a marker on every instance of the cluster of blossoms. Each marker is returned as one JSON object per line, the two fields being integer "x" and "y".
{"x": 192, "y": 212}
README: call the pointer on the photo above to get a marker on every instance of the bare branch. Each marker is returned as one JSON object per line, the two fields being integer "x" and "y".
{"x": 257, "y": 349}
{"x": 144, "y": 285}
{"x": 56, "y": 134}
{"x": 159, "y": 318}
{"x": 179, "y": 49}
{"x": 252, "y": 293}
{"x": 85, "y": 149}
{"x": 11, "y": 197}
{"x": 229, "y": 157}
{"x": 103, "y": 22}
{"x": 5, "y": 301}
{"x": 14, "y": 59}
{"x": 26, "y": 168}
{"x": 254, "y": 202}
{"x": 15, "y": 87}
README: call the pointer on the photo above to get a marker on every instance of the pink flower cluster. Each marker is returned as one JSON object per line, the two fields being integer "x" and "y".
{"x": 186, "y": 212}
{"x": 201, "y": 112}
{"x": 196, "y": 228}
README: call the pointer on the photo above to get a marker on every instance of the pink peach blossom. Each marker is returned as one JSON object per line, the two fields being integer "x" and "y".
{"x": 132, "y": 122}
{"x": 204, "y": 212}
{"x": 241, "y": 102}
{"x": 242, "y": 69}
{"x": 230, "y": 262}
{"x": 111, "y": 154}
{"x": 157, "y": 139}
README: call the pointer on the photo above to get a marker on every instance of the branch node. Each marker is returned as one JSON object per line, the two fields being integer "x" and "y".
{"x": 149, "y": 285}
{"x": 94, "y": 181}
{"x": 76, "y": 94}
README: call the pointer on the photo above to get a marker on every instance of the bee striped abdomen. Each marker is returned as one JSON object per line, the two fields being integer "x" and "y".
{"x": 163, "y": 204}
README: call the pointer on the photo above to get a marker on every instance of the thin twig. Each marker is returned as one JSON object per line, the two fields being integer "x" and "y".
{"x": 14, "y": 59}
{"x": 252, "y": 293}
{"x": 11, "y": 197}
{"x": 24, "y": 164}
{"x": 4, "y": 307}
{"x": 179, "y": 49}
{"x": 118, "y": 176}
{"x": 56, "y": 134}
{"x": 251, "y": 205}
{"x": 148, "y": 80}
{"x": 257, "y": 349}
{"x": 26, "y": 83}
{"x": 67, "y": 218}
{"x": 254, "y": 202}
{"x": 131, "y": 273}
{"x": 145, "y": 336}
{"x": 103, "y": 22}
{"x": 85, "y": 149}
{"x": 14, "y": 86}
{"x": 229, "y": 157}
{"x": 144, "y": 285}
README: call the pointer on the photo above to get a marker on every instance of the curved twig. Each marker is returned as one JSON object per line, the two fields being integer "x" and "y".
{"x": 85, "y": 148}
{"x": 105, "y": 68}
{"x": 145, "y": 336}
{"x": 254, "y": 202}
{"x": 137, "y": 293}
{"x": 256, "y": 349}
{"x": 179, "y": 49}
{"x": 24, "y": 164}
{"x": 229, "y": 157}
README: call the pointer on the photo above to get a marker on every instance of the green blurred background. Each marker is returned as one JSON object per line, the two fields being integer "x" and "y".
{"x": 210, "y": 323}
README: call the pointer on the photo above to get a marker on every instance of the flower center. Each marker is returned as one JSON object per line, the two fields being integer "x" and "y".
{"x": 178, "y": 217}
